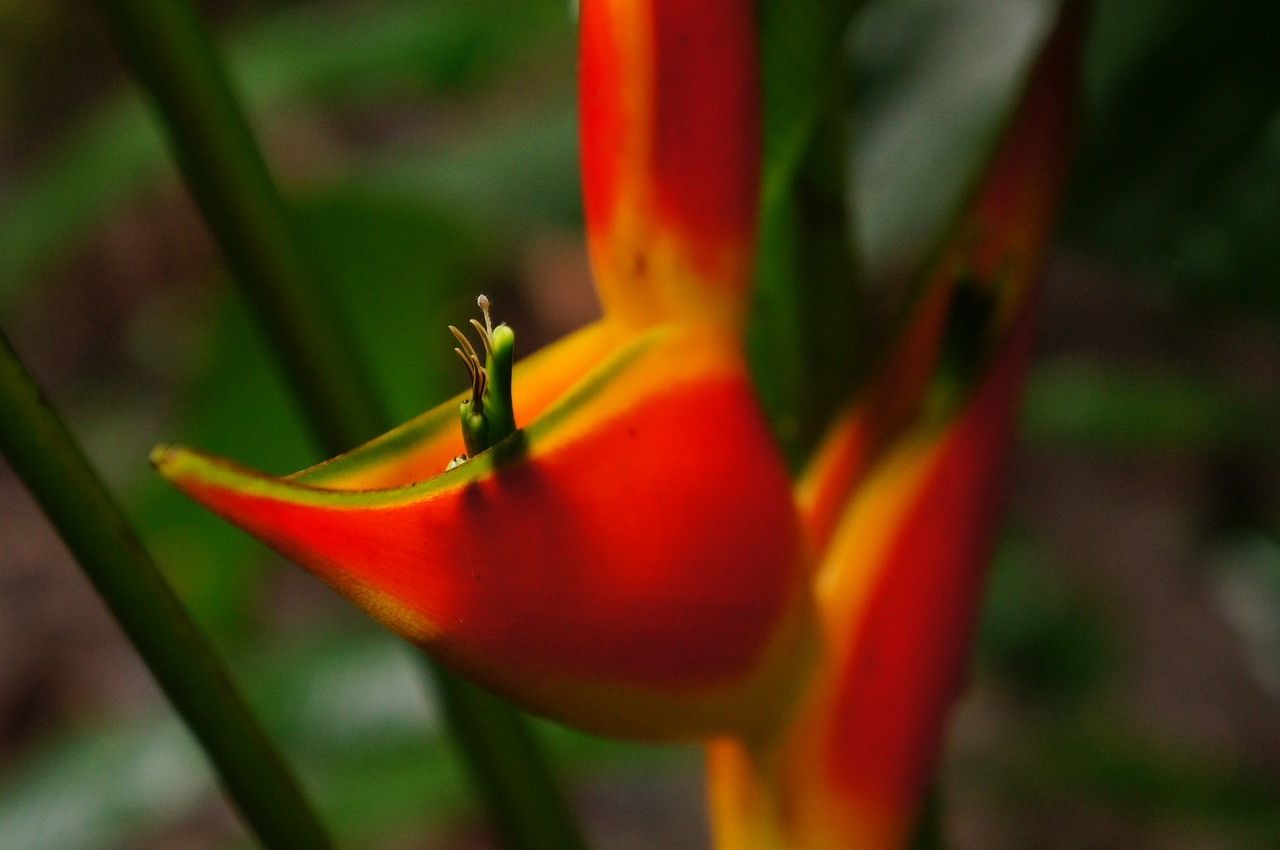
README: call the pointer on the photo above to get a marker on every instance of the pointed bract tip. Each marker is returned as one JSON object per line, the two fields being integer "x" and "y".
{"x": 160, "y": 456}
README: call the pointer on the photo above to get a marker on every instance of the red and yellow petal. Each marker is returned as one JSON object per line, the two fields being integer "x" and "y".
{"x": 669, "y": 104}
{"x": 903, "y": 559}
{"x": 629, "y": 562}
{"x": 998, "y": 244}
{"x": 897, "y": 599}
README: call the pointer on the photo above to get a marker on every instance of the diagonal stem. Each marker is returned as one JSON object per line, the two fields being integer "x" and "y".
{"x": 47, "y": 459}
{"x": 172, "y": 55}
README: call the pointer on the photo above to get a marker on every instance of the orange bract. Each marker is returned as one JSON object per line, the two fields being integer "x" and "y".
{"x": 585, "y": 557}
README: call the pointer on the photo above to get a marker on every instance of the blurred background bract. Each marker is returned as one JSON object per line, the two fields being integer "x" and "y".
{"x": 1126, "y": 692}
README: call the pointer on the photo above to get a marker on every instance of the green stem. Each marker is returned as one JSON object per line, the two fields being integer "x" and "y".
{"x": 173, "y": 56}
{"x": 45, "y": 456}
{"x": 507, "y": 763}
{"x": 834, "y": 345}
{"x": 808, "y": 290}
{"x": 170, "y": 52}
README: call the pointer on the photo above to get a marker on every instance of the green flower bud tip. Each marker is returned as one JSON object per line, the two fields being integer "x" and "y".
{"x": 487, "y": 416}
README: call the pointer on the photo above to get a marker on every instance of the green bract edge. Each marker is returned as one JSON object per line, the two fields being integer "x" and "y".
{"x": 178, "y": 463}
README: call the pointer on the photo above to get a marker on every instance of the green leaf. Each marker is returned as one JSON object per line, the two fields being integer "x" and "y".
{"x": 1117, "y": 410}
{"x": 934, "y": 82}
{"x": 1178, "y": 171}
{"x": 294, "y": 59}
{"x": 806, "y": 286}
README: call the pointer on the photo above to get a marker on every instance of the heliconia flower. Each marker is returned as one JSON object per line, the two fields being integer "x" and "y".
{"x": 608, "y": 534}
{"x": 903, "y": 557}
{"x": 593, "y": 565}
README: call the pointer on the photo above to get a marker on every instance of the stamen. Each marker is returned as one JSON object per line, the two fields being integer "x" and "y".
{"x": 468, "y": 362}
{"x": 484, "y": 335}
{"x": 464, "y": 342}
{"x": 479, "y": 377}
{"x": 471, "y": 372}
{"x": 487, "y": 416}
{"x": 483, "y": 303}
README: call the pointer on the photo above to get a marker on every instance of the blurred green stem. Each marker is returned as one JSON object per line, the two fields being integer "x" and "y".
{"x": 173, "y": 56}
{"x": 165, "y": 43}
{"x": 47, "y": 459}
{"x": 808, "y": 289}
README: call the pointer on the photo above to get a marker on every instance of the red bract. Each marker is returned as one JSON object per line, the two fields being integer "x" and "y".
{"x": 635, "y": 559}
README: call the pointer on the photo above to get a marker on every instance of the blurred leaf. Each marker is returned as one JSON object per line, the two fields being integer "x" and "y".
{"x": 51, "y": 210}
{"x": 1093, "y": 407}
{"x": 934, "y": 79}
{"x": 323, "y": 53}
{"x": 106, "y": 786}
{"x": 1074, "y": 750}
{"x": 1128, "y": 771}
{"x": 92, "y": 790}
{"x": 351, "y": 51}
{"x": 380, "y": 766}
{"x": 1246, "y": 592}
{"x": 1036, "y": 634}
{"x": 1181, "y": 163}
{"x": 803, "y": 258}
{"x": 801, "y": 42}
{"x": 402, "y": 270}
{"x": 513, "y": 172}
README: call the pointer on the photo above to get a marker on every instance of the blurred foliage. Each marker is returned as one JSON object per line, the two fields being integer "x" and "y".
{"x": 804, "y": 253}
{"x": 378, "y": 768}
{"x": 1121, "y": 412}
{"x": 423, "y": 143}
{"x": 294, "y": 60}
{"x": 1180, "y": 164}
{"x": 1039, "y": 636}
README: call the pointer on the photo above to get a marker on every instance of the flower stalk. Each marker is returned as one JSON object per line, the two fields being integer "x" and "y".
{"x": 48, "y": 460}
